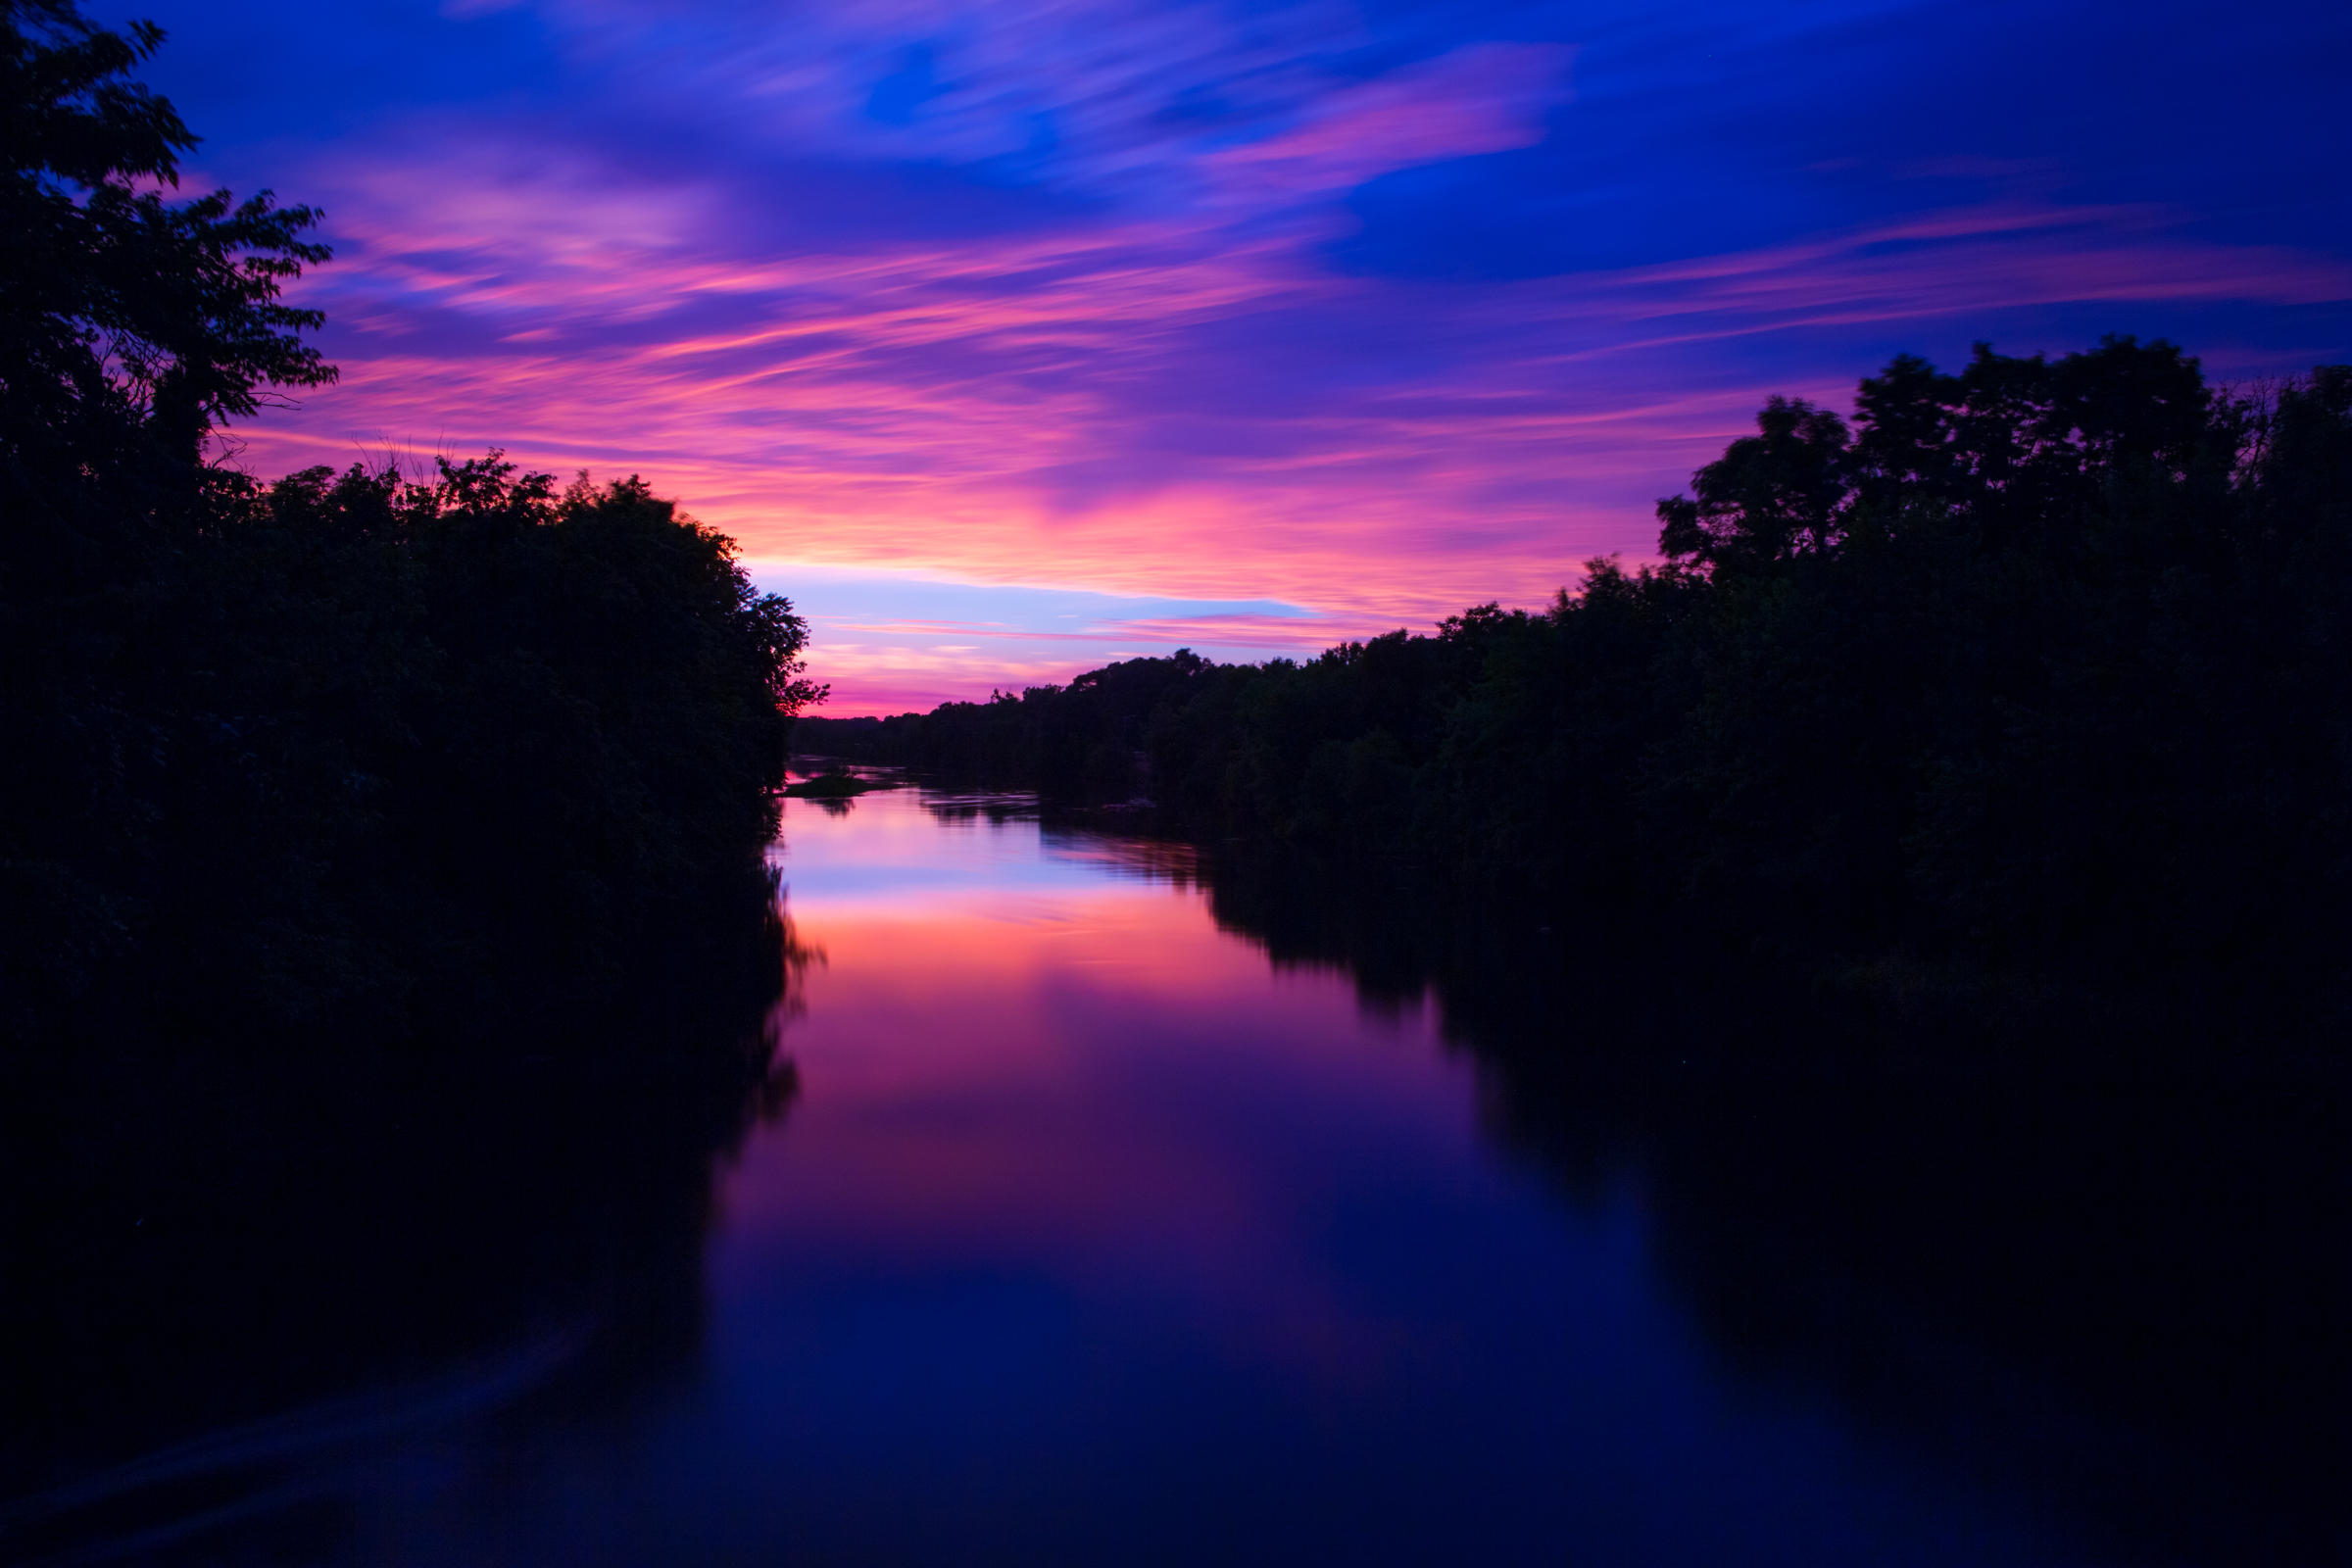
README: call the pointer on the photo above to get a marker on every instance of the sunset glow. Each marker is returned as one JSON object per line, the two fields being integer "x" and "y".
{"x": 1011, "y": 338}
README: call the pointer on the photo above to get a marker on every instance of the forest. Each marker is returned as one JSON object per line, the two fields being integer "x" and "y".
{"x": 395, "y": 981}
{"x": 2029, "y": 673}
{"x": 358, "y": 755}
{"x": 2031, "y": 677}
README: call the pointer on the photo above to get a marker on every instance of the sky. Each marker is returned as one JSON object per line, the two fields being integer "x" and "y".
{"x": 1011, "y": 337}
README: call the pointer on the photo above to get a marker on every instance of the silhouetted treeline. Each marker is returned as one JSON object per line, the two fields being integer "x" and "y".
{"x": 349, "y": 748}
{"x": 1088, "y": 741}
{"x": 2083, "y": 1266}
{"x": 310, "y": 793}
{"x": 2039, "y": 668}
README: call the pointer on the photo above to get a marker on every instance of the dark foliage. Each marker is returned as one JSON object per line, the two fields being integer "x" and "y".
{"x": 235, "y": 1275}
{"x": 386, "y": 947}
{"x": 2058, "y": 1267}
{"x": 418, "y": 753}
{"x": 347, "y": 750}
{"x": 132, "y": 326}
{"x": 2033, "y": 676}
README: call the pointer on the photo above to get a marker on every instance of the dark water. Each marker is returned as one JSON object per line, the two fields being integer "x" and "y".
{"x": 1080, "y": 1231}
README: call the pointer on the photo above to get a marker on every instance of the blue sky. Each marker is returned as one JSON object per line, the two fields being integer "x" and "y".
{"x": 1010, "y": 336}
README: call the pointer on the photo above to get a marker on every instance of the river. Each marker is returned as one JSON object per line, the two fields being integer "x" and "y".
{"x": 1089, "y": 1233}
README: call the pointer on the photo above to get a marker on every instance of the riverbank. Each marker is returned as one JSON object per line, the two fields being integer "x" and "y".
{"x": 2016, "y": 712}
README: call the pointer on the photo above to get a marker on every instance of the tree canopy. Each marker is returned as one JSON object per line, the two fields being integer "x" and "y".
{"x": 2035, "y": 669}
{"x": 390, "y": 751}
{"x": 132, "y": 325}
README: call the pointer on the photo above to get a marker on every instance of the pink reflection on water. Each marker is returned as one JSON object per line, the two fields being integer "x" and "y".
{"x": 1082, "y": 1078}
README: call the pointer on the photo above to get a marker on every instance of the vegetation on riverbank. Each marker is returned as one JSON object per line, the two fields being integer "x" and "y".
{"x": 357, "y": 753}
{"x": 837, "y": 785}
{"x": 2038, "y": 669}
{"x": 386, "y": 940}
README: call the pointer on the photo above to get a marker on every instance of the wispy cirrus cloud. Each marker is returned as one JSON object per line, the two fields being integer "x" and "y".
{"x": 1364, "y": 316}
{"x": 1116, "y": 408}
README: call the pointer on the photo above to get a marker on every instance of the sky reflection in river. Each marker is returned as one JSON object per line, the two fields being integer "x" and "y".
{"x": 1096, "y": 1238}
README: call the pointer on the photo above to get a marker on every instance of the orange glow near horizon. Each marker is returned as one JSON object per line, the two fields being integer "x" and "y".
{"x": 1187, "y": 308}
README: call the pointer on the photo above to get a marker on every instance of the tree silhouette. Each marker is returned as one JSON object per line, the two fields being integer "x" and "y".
{"x": 132, "y": 326}
{"x": 2030, "y": 676}
{"x": 358, "y": 755}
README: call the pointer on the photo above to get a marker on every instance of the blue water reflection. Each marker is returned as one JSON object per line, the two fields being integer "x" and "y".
{"x": 1092, "y": 1236}
{"x": 1095, "y": 1239}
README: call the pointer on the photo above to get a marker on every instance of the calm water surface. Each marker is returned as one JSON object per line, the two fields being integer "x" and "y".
{"x": 1093, "y": 1236}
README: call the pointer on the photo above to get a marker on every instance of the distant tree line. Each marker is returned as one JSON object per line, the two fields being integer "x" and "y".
{"x": 355, "y": 749}
{"x": 2040, "y": 667}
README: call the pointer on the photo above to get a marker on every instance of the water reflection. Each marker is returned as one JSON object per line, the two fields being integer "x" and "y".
{"x": 256, "y": 1301}
{"x": 2106, "y": 1288}
{"x": 1093, "y": 1235}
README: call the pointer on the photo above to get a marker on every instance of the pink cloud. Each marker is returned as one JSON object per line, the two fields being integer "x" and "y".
{"x": 1095, "y": 404}
{"x": 1487, "y": 98}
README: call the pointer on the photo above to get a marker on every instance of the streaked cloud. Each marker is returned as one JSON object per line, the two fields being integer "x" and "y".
{"x": 1250, "y": 327}
{"x": 915, "y": 639}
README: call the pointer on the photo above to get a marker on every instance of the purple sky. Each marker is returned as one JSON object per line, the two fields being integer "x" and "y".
{"x": 1009, "y": 338}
